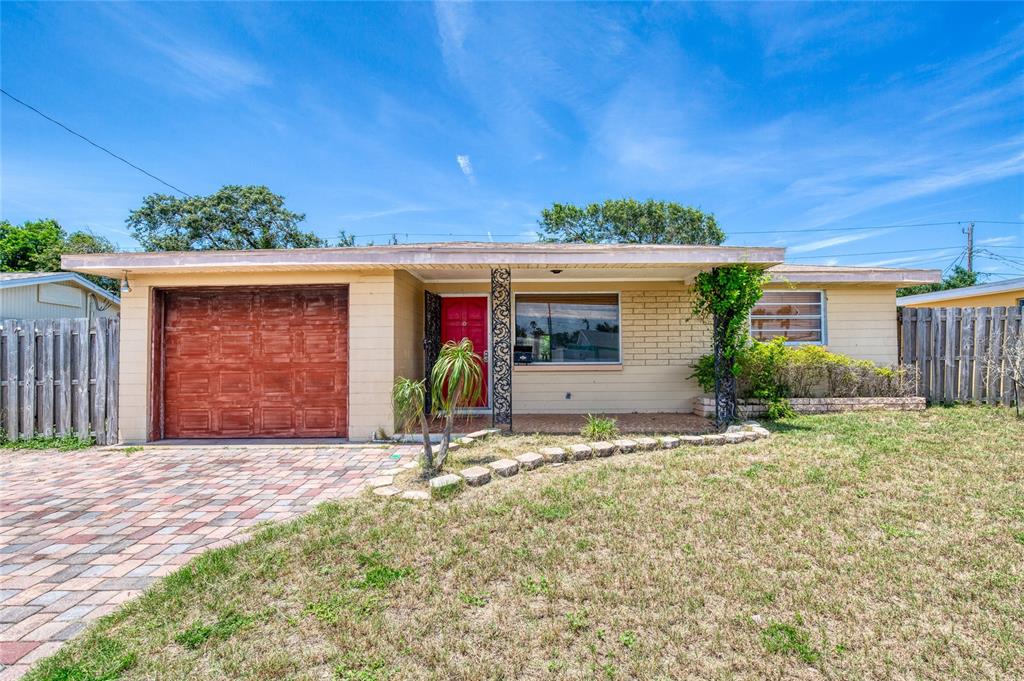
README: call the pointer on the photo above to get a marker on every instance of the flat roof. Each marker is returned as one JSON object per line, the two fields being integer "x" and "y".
{"x": 15, "y": 279}
{"x": 788, "y": 272}
{"x": 464, "y": 255}
{"x": 446, "y": 259}
{"x": 1004, "y": 286}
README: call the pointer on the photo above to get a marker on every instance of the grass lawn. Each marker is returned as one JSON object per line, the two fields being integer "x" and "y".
{"x": 868, "y": 545}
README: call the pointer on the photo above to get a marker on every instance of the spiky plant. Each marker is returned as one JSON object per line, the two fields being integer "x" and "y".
{"x": 408, "y": 402}
{"x": 455, "y": 382}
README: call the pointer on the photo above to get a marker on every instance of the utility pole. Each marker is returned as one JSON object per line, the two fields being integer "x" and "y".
{"x": 970, "y": 246}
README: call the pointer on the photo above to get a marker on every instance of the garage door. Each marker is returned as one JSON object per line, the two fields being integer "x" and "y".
{"x": 256, "y": 362}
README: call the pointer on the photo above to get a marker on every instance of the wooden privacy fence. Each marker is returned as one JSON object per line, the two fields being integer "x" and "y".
{"x": 59, "y": 377}
{"x": 951, "y": 346}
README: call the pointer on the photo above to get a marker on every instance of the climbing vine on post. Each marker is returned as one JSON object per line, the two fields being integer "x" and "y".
{"x": 725, "y": 295}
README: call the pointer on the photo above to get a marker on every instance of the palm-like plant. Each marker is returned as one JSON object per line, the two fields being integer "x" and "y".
{"x": 407, "y": 401}
{"x": 455, "y": 382}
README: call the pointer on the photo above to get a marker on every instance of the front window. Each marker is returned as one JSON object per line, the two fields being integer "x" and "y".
{"x": 567, "y": 328}
{"x": 796, "y": 315}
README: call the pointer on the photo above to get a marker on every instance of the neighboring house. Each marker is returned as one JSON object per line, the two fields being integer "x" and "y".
{"x": 49, "y": 295}
{"x": 1006, "y": 293}
{"x": 286, "y": 343}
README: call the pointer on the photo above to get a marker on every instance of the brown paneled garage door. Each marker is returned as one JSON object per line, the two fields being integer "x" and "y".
{"x": 256, "y": 362}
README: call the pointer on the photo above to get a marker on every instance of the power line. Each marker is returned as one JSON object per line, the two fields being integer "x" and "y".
{"x": 98, "y": 146}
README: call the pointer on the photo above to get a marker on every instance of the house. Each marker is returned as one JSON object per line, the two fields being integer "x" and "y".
{"x": 307, "y": 342}
{"x": 49, "y": 295}
{"x": 1005, "y": 293}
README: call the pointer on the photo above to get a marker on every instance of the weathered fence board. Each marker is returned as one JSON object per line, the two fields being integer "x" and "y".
{"x": 954, "y": 348}
{"x": 59, "y": 377}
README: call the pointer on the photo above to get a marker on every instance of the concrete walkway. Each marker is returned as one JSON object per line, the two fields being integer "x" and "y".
{"x": 82, "y": 532}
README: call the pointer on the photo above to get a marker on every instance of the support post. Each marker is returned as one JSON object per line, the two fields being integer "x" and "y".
{"x": 725, "y": 380}
{"x": 501, "y": 352}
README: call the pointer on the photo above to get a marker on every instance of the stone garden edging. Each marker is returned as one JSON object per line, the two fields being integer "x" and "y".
{"x": 384, "y": 484}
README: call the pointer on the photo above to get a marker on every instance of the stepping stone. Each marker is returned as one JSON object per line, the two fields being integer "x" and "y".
{"x": 476, "y": 475}
{"x": 669, "y": 442}
{"x": 415, "y": 495}
{"x": 734, "y": 438}
{"x": 602, "y": 448}
{"x": 553, "y": 454}
{"x": 761, "y": 431}
{"x": 625, "y": 446}
{"x": 443, "y": 482}
{"x": 481, "y": 434}
{"x": 391, "y": 471}
{"x": 388, "y": 491}
{"x": 713, "y": 439}
{"x": 465, "y": 441}
{"x": 580, "y": 452}
{"x": 646, "y": 443}
{"x": 505, "y": 468}
{"x": 382, "y": 481}
{"x": 693, "y": 440}
{"x": 530, "y": 460}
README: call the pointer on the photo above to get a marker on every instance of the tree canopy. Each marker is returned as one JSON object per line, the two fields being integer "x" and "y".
{"x": 234, "y": 218}
{"x": 628, "y": 221}
{"x": 36, "y": 246}
{"x": 958, "y": 278}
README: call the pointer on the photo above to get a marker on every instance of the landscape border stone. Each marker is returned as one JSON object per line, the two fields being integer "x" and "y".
{"x": 476, "y": 476}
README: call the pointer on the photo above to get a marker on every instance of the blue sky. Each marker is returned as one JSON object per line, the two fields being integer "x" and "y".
{"x": 462, "y": 121}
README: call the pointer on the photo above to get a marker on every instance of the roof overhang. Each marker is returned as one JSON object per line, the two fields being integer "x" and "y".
{"x": 824, "y": 274}
{"x": 1006, "y": 286}
{"x": 426, "y": 257}
{"x": 60, "y": 278}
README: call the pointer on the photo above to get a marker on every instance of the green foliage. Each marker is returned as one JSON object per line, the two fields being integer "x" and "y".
{"x": 62, "y": 443}
{"x": 355, "y": 667}
{"x": 773, "y": 371}
{"x": 599, "y": 428}
{"x": 196, "y": 635}
{"x": 958, "y": 278}
{"x": 379, "y": 575}
{"x": 456, "y": 377}
{"x": 727, "y": 294}
{"x": 628, "y": 221}
{"x": 790, "y": 639}
{"x": 407, "y": 401}
{"x": 36, "y": 246}
{"x": 233, "y": 218}
{"x": 104, "y": 659}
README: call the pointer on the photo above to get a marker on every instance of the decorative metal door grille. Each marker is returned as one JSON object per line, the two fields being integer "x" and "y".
{"x": 431, "y": 337}
{"x": 501, "y": 350}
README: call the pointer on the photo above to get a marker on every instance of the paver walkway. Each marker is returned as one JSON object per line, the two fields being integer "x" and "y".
{"x": 82, "y": 532}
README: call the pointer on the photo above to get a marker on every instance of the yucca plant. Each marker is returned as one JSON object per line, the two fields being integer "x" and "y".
{"x": 455, "y": 382}
{"x": 407, "y": 401}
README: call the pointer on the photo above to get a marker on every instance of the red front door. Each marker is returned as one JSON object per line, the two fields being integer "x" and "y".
{"x": 467, "y": 318}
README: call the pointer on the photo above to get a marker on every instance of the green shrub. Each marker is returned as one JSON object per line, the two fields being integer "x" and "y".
{"x": 599, "y": 428}
{"x": 774, "y": 371}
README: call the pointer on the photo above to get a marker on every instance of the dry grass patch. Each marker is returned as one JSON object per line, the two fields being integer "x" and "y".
{"x": 879, "y": 545}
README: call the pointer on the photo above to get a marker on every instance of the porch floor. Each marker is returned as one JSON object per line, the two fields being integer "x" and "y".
{"x": 565, "y": 424}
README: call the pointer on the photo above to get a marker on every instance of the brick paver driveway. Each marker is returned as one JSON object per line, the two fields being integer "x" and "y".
{"x": 83, "y": 532}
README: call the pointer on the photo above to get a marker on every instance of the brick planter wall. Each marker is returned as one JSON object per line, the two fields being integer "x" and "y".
{"x": 705, "y": 406}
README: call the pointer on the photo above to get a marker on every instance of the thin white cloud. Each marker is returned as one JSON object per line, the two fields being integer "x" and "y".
{"x": 466, "y": 166}
{"x": 997, "y": 240}
{"x": 819, "y": 244}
